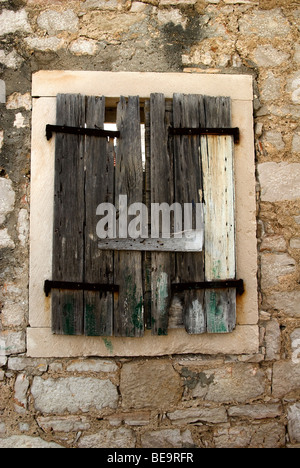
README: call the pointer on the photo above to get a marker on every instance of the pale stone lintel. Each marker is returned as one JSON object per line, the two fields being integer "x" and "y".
{"x": 114, "y": 84}
{"x": 42, "y": 343}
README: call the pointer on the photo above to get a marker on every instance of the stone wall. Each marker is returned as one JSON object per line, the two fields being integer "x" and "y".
{"x": 176, "y": 401}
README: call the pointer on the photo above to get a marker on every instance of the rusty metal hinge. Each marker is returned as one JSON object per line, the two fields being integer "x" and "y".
{"x": 97, "y": 132}
{"x": 219, "y": 284}
{"x": 74, "y": 286}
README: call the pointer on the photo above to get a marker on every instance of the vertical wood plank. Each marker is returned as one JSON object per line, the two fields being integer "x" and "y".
{"x": 218, "y": 179}
{"x": 188, "y": 112}
{"x": 69, "y": 217}
{"x": 99, "y": 188}
{"x": 128, "y": 308}
{"x": 162, "y": 191}
{"x": 147, "y": 256}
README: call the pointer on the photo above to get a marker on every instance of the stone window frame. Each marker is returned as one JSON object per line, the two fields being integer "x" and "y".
{"x": 46, "y": 85}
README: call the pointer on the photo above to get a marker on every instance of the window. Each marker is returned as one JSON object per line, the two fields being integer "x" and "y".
{"x": 161, "y": 110}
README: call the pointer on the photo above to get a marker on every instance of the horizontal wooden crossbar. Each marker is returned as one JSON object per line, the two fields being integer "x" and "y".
{"x": 97, "y": 132}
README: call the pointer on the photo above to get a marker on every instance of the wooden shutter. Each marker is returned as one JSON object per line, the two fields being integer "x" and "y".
{"x": 195, "y": 169}
{"x": 181, "y": 169}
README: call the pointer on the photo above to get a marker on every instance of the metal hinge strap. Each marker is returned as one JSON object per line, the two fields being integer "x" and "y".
{"x": 74, "y": 286}
{"x": 238, "y": 284}
{"x": 97, "y": 132}
{"x": 235, "y": 132}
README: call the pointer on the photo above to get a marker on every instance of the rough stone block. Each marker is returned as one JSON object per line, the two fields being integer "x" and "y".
{"x": 2, "y": 92}
{"x": 274, "y": 267}
{"x": 271, "y": 435}
{"x": 295, "y": 243}
{"x": 14, "y": 21}
{"x": 177, "y": 2}
{"x": 12, "y": 342}
{"x": 92, "y": 365}
{"x": 18, "y": 101}
{"x": 279, "y": 181}
{"x": 273, "y": 244}
{"x": 273, "y": 340}
{"x": 7, "y": 198}
{"x": 63, "y": 423}
{"x": 193, "y": 415}
{"x": 271, "y": 88}
{"x": 153, "y": 384}
{"x": 117, "y": 438}
{"x": 26, "y": 442}
{"x": 286, "y": 302}
{"x": 293, "y": 87}
{"x": 23, "y": 227}
{"x": 296, "y": 143}
{"x": 83, "y": 47}
{"x": 255, "y": 411}
{"x": 269, "y": 24}
{"x": 13, "y": 314}
{"x": 294, "y": 423}
{"x": 21, "y": 388}
{"x": 6, "y": 241}
{"x": 10, "y": 60}
{"x": 45, "y": 44}
{"x": 167, "y": 438}
{"x": 268, "y": 56}
{"x": 286, "y": 378}
{"x": 31, "y": 366}
{"x": 237, "y": 382}
{"x": 274, "y": 139}
{"x": 109, "y": 5}
{"x": 172, "y": 16}
{"x": 73, "y": 394}
{"x": 55, "y": 22}
{"x": 130, "y": 419}
{"x": 297, "y": 53}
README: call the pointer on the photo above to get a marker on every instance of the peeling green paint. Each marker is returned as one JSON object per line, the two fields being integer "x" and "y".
{"x": 215, "y": 313}
{"x": 134, "y": 305}
{"x": 108, "y": 345}
{"x": 217, "y": 268}
{"x": 90, "y": 320}
{"x": 137, "y": 316}
{"x": 68, "y": 324}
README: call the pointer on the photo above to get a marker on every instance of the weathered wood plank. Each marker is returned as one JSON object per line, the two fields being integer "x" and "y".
{"x": 147, "y": 257}
{"x": 99, "y": 188}
{"x": 218, "y": 181}
{"x": 69, "y": 217}
{"x": 128, "y": 307}
{"x": 190, "y": 242}
{"x": 162, "y": 191}
{"x": 188, "y": 112}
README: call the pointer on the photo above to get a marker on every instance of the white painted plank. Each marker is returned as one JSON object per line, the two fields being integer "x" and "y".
{"x": 220, "y": 252}
{"x": 220, "y": 245}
